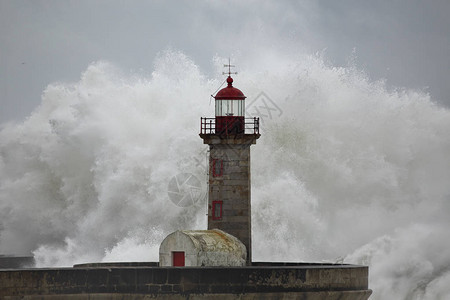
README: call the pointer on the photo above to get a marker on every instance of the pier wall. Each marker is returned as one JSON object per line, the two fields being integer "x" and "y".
{"x": 308, "y": 282}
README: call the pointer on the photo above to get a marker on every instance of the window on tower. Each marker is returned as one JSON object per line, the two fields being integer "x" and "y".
{"x": 230, "y": 108}
{"x": 217, "y": 210}
{"x": 217, "y": 167}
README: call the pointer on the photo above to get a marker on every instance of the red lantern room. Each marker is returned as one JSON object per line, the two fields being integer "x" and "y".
{"x": 230, "y": 114}
{"x": 230, "y": 110}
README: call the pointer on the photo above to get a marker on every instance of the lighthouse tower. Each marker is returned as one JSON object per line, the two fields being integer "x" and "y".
{"x": 229, "y": 136}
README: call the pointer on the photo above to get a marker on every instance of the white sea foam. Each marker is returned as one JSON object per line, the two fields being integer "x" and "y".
{"x": 345, "y": 169}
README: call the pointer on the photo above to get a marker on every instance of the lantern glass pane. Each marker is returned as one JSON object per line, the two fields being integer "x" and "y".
{"x": 229, "y": 108}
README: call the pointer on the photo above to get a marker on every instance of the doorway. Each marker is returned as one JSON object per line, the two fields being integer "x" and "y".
{"x": 178, "y": 258}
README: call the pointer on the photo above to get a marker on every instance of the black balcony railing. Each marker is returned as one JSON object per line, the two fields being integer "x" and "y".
{"x": 250, "y": 126}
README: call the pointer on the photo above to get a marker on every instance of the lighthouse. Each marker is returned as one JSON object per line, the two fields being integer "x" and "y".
{"x": 229, "y": 136}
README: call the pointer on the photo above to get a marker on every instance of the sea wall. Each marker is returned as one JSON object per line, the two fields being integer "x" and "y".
{"x": 309, "y": 282}
{"x": 16, "y": 262}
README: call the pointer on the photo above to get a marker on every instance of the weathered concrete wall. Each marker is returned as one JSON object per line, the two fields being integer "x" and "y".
{"x": 273, "y": 282}
{"x": 341, "y": 295}
{"x": 16, "y": 262}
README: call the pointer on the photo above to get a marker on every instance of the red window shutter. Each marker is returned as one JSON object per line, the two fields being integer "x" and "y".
{"x": 178, "y": 259}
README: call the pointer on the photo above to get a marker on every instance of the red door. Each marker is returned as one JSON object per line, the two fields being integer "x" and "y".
{"x": 178, "y": 259}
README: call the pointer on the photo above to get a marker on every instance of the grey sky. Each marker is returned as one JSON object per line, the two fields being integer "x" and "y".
{"x": 405, "y": 41}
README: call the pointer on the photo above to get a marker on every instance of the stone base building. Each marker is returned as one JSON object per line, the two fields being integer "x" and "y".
{"x": 201, "y": 248}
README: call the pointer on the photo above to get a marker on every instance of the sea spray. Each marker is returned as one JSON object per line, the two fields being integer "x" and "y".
{"x": 345, "y": 169}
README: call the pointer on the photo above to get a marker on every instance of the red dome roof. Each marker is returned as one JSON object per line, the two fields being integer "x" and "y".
{"x": 230, "y": 92}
